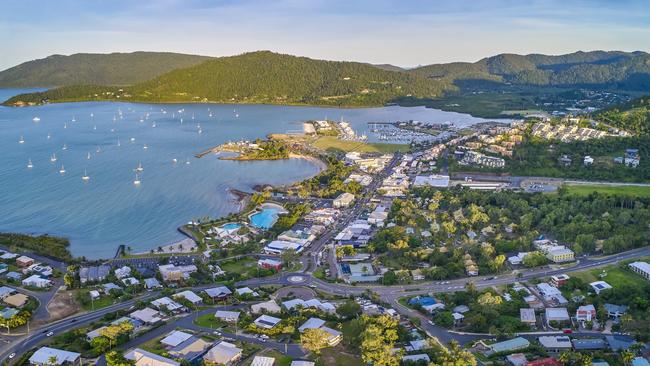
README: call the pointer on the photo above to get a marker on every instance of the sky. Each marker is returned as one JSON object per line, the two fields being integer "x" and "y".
{"x": 404, "y": 33}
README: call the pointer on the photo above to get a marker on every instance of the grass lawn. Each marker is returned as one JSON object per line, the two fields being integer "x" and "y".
{"x": 209, "y": 321}
{"x": 615, "y": 276}
{"x": 102, "y": 302}
{"x": 338, "y": 357}
{"x": 329, "y": 143}
{"x": 584, "y": 190}
{"x": 238, "y": 266}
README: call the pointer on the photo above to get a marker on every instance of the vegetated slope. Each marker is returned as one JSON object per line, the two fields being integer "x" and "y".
{"x": 632, "y": 116}
{"x": 263, "y": 77}
{"x": 95, "y": 69}
{"x": 624, "y": 70}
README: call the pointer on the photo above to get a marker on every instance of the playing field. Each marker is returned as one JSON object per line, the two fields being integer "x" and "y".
{"x": 584, "y": 190}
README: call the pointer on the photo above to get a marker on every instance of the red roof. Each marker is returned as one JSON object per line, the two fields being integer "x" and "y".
{"x": 545, "y": 362}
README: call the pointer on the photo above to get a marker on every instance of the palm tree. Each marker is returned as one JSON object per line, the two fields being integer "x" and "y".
{"x": 565, "y": 358}
{"x": 627, "y": 357}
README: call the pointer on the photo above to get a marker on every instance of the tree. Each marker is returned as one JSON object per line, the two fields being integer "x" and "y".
{"x": 289, "y": 256}
{"x": 114, "y": 358}
{"x": 314, "y": 340}
{"x": 454, "y": 355}
{"x": 627, "y": 357}
{"x": 565, "y": 358}
{"x": 68, "y": 280}
{"x": 497, "y": 263}
{"x": 444, "y": 319}
{"x": 349, "y": 309}
{"x": 378, "y": 341}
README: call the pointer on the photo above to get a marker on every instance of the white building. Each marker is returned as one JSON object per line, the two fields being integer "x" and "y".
{"x": 343, "y": 200}
{"x": 36, "y": 281}
{"x": 435, "y": 180}
{"x": 266, "y": 321}
{"x": 45, "y": 355}
{"x": 227, "y": 316}
{"x": 642, "y": 268}
{"x": 279, "y": 246}
{"x": 190, "y": 296}
{"x": 599, "y": 286}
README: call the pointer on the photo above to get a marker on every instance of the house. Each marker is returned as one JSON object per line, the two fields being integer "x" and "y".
{"x": 4, "y": 267}
{"x": 14, "y": 276}
{"x": 270, "y": 264}
{"x": 417, "y": 275}
{"x": 586, "y": 313}
{"x": 94, "y": 273}
{"x": 171, "y": 272}
{"x": 527, "y": 316}
{"x": 24, "y": 261}
{"x": 151, "y": 283}
{"x": 223, "y": 353}
{"x": 46, "y": 355}
{"x": 36, "y": 281}
{"x": 615, "y": 311}
{"x": 147, "y": 316}
{"x": 263, "y": 361}
{"x": 559, "y": 280}
{"x": 333, "y": 336}
{"x": 549, "y": 361}
{"x": 588, "y": 344}
{"x": 588, "y": 161}
{"x": 640, "y": 361}
{"x": 122, "y": 272}
{"x": 555, "y": 344}
{"x": 174, "y": 338}
{"x": 94, "y": 333}
{"x": 6, "y": 291}
{"x": 146, "y": 358}
{"x": 462, "y": 309}
{"x": 557, "y": 315}
{"x": 302, "y": 363}
{"x": 227, "y": 316}
{"x": 244, "y": 291}
{"x": 94, "y": 294}
{"x": 313, "y": 303}
{"x": 136, "y": 323}
{"x": 189, "y": 296}
{"x": 16, "y": 300}
{"x": 458, "y": 318}
{"x": 418, "y": 345}
{"x": 311, "y": 323}
{"x": 218, "y": 293}
{"x": 423, "y": 357}
{"x": 517, "y": 359}
{"x": 8, "y": 313}
{"x": 560, "y": 254}
{"x": 599, "y": 286}
{"x": 641, "y": 268}
{"x": 619, "y": 342}
{"x": 269, "y": 306}
{"x": 551, "y": 293}
{"x": 190, "y": 349}
{"x": 510, "y": 345}
{"x": 266, "y": 321}
{"x": 343, "y": 200}
{"x": 168, "y": 304}
{"x": 130, "y": 281}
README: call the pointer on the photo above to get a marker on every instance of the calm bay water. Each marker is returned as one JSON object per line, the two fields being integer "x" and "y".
{"x": 109, "y": 209}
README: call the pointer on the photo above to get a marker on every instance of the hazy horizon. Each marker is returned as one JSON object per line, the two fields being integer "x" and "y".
{"x": 404, "y": 34}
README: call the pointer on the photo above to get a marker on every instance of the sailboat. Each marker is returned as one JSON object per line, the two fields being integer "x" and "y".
{"x": 53, "y": 158}
{"x": 85, "y": 176}
{"x": 192, "y": 116}
{"x": 49, "y": 136}
{"x": 74, "y": 119}
{"x": 141, "y": 120}
{"x": 132, "y": 139}
{"x": 92, "y": 115}
{"x": 29, "y": 164}
{"x": 65, "y": 125}
{"x": 94, "y": 127}
{"x": 187, "y": 161}
{"x": 36, "y": 119}
{"x": 145, "y": 147}
{"x": 98, "y": 149}
{"x": 181, "y": 120}
{"x": 139, "y": 168}
{"x": 62, "y": 170}
{"x": 174, "y": 160}
{"x": 22, "y": 140}
{"x": 65, "y": 147}
{"x": 88, "y": 156}
{"x": 118, "y": 143}
{"x": 137, "y": 180}
{"x": 153, "y": 125}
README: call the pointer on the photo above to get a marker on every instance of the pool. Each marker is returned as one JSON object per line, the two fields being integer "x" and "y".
{"x": 232, "y": 226}
{"x": 266, "y": 218}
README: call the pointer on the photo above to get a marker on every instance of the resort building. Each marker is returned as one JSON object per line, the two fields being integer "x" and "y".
{"x": 171, "y": 272}
{"x": 642, "y": 268}
{"x": 343, "y": 200}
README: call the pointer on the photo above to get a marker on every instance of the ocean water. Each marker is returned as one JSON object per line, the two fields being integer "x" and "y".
{"x": 109, "y": 209}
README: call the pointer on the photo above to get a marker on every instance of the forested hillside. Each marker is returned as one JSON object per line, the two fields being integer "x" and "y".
{"x": 623, "y": 70}
{"x": 97, "y": 69}
{"x": 265, "y": 77}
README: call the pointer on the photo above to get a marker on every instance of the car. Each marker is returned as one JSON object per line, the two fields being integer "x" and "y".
{"x": 431, "y": 322}
{"x": 50, "y": 333}
{"x": 312, "y": 286}
{"x": 264, "y": 336}
{"x": 567, "y": 331}
{"x": 12, "y": 355}
{"x": 216, "y": 332}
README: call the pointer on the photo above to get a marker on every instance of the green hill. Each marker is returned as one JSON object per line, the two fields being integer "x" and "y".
{"x": 608, "y": 69}
{"x": 262, "y": 77}
{"x": 95, "y": 69}
{"x": 633, "y": 116}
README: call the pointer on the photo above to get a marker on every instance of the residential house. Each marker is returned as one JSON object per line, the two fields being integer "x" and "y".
{"x": 172, "y": 273}
{"x": 122, "y": 272}
{"x": 46, "y": 356}
{"x": 16, "y": 300}
{"x": 263, "y": 361}
{"x": 244, "y": 291}
{"x": 94, "y": 273}
{"x": 557, "y": 315}
{"x": 333, "y": 336}
{"x": 588, "y": 344}
{"x": 555, "y": 344}
{"x": 517, "y": 359}
{"x": 586, "y": 313}
{"x": 151, "y": 283}
{"x": 599, "y": 286}
{"x": 36, "y": 281}
{"x": 266, "y": 321}
{"x": 24, "y": 261}
{"x": 615, "y": 311}
{"x": 227, "y": 316}
{"x": 190, "y": 349}
{"x": 167, "y": 304}
{"x": 549, "y": 361}
{"x": 423, "y": 357}
{"x": 223, "y": 353}
{"x": 145, "y": 358}
{"x": 189, "y": 296}
{"x": 559, "y": 280}
{"x": 619, "y": 343}
{"x": 269, "y": 306}
{"x": 174, "y": 338}
{"x": 527, "y": 316}
{"x": 218, "y": 293}
{"x": 147, "y": 316}
{"x": 312, "y": 303}
{"x": 270, "y": 264}
{"x": 514, "y": 344}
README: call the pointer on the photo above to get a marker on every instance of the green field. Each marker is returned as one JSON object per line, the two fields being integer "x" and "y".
{"x": 584, "y": 190}
{"x": 330, "y": 143}
{"x": 239, "y": 265}
{"x": 613, "y": 275}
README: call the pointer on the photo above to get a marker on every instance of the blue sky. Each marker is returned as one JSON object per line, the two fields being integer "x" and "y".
{"x": 405, "y": 33}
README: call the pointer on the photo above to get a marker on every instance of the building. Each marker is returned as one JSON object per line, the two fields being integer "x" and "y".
{"x": 218, "y": 293}
{"x": 24, "y": 261}
{"x": 586, "y": 313}
{"x": 302, "y": 363}
{"x": 419, "y": 358}
{"x": 559, "y": 254}
{"x": 278, "y": 247}
{"x": 589, "y": 344}
{"x": 266, "y": 321}
{"x": 171, "y": 272}
{"x": 557, "y": 315}
{"x": 343, "y": 200}
{"x": 269, "y": 306}
{"x": 599, "y": 286}
{"x": 510, "y": 345}
{"x": 517, "y": 359}
{"x": 16, "y": 300}
{"x": 435, "y": 180}
{"x": 45, "y": 356}
{"x": 122, "y": 272}
{"x": 174, "y": 338}
{"x": 619, "y": 342}
{"x": 146, "y": 358}
{"x": 333, "y": 336}
{"x": 36, "y": 281}
{"x": 527, "y": 316}
{"x": 270, "y": 264}
{"x": 559, "y": 280}
{"x": 642, "y": 268}
{"x": 223, "y": 353}
{"x": 227, "y": 316}
{"x": 615, "y": 311}
{"x": 263, "y": 361}
{"x": 640, "y": 361}
{"x": 312, "y": 303}
{"x": 189, "y": 296}
{"x": 555, "y": 344}
{"x": 190, "y": 349}
{"x": 168, "y": 304}
{"x": 151, "y": 283}
{"x": 147, "y": 316}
